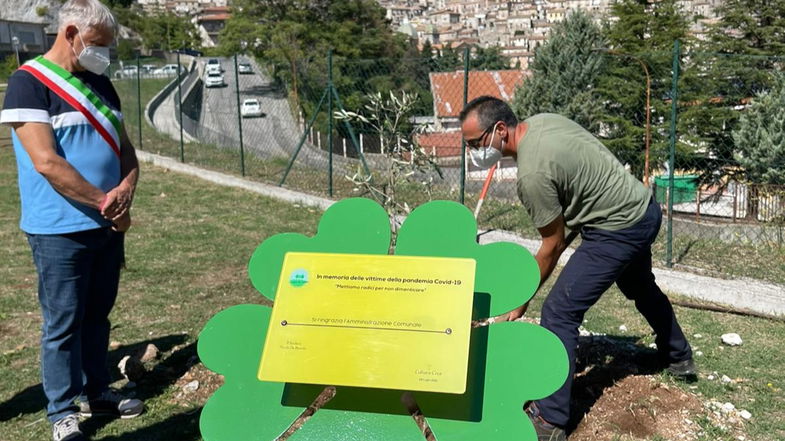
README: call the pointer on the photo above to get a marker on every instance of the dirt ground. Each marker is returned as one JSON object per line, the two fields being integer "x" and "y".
{"x": 640, "y": 407}
{"x": 616, "y": 396}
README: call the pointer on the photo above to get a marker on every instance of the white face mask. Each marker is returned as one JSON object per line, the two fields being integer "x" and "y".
{"x": 93, "y": 58}
{"x": 485, "y": 157}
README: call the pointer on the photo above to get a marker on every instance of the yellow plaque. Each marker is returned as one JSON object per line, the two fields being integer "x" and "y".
{"x": 392, "y": 322}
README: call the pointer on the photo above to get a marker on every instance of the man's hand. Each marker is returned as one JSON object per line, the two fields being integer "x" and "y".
{"x": 122, "y": 223}
{"x": 518, "y": 312}
{"x": 117, "y": 202}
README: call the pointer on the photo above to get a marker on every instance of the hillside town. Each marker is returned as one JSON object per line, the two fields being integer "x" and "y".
{"x": 518, "y": 27}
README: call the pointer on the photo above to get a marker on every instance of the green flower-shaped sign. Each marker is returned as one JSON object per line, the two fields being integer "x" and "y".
{"x": 509, "y": 362}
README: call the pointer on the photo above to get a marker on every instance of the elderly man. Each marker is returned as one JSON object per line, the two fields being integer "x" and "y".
{"x": 77, "y": 174}
{"x": 568, "y": 180}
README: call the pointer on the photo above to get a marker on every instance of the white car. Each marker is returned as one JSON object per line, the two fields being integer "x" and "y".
{"x": 213, "y": 64}
{"x": 251, "y": 107}
{"x": 166, "y": 70}
{"x": 213, "y": 69}
{"x": 244, "y": 68}
{"x": 128, "y": 71}
{"x": 214, "y": 79}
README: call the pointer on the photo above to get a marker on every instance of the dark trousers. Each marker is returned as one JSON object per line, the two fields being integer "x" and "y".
{"x": 605, "y": 257}
{"x": 78, "y": 275}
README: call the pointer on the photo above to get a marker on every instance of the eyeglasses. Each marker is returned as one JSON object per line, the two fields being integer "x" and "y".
{"x": 475, "y": 143}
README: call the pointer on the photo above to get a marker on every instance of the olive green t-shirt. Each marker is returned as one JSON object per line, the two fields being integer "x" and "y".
{"x": 564, "y": 169}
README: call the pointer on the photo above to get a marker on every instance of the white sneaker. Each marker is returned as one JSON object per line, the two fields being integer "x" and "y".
{"x": 67, "y": 429}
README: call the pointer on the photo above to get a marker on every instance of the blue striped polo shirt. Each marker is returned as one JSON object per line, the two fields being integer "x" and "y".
{"x": 44, "y": 210}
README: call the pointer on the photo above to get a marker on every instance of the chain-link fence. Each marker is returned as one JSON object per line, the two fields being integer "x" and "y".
{"x": 325, "y": 126}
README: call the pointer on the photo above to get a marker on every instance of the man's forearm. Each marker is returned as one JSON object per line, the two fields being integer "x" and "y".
{"x": 547, "y": 258}
{"x": 129, "y": 169}
{"x": 68, "y": 182}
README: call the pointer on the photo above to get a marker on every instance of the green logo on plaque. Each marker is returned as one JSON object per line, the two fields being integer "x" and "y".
{"x": 298, "y": 278}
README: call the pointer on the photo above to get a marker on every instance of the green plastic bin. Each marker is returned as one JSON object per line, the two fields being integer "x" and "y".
{"x": 685, "y": 188}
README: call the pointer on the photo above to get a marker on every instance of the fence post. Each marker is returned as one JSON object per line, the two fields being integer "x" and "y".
{"x": 330, "y": 121}
{"x": 672, "y": 159}
{"x": 463, "y": 141}
{"x": 239, "y": 116}
{"x": 303, "y": 137}
{"x": 180, "y": 106}
{"x": 139, "y": 97}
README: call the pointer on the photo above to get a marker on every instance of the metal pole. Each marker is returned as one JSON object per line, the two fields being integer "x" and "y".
{"x": 672, "y": 159}
{"x": 330, "y": 122}
{"x": 139, "y": 97}
{"x": 180, "y": 107}
{"x": 239, "y": 116}
{"x": 302, "y": 138}
{"x": 15, "y": 42}
{"x": 463, "y": 141}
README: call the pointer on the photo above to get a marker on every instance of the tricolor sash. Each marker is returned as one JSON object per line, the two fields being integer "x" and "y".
{"x": 79, "y": 96}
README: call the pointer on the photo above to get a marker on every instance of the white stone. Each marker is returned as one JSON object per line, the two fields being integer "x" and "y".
{"x": 698, "y": 336}
{"x": 731, "y": 339}
{"x": 151, "y": 352}
{"x": 728, "y": 408}
{"x": 745, "y": 414}
{"x": 710, "y": 377}
{"x": 192, "y": 386}
{"x": 698, "y": 353}
{"x": 653, "y": 345}
{"x": 623, "y": 328}
{"x": 726, "y": 379}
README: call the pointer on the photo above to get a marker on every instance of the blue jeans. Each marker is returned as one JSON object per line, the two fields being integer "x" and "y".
{"x": 78, "y": 275}
{"x": 605, "y": 257}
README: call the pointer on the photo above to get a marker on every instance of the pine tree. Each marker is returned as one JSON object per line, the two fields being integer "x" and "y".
{"x": 640, "y": 32}
{"x": 760, "y": 137}
{"x": 731, "y": 69}
{"x": 565, "y": 71}
{"x": 760, "y": 143}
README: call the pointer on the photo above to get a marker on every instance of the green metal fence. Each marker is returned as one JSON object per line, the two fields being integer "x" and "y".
{"x": 678, "y": 127}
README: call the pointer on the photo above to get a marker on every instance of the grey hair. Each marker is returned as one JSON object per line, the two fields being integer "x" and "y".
{"x": 86, "y": 14}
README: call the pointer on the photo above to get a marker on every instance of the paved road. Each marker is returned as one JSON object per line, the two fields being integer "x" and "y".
{"x": 274, "y": 135}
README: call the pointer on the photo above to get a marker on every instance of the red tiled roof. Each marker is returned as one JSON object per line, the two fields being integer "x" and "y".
{"x": 441, "y": 143}
{"x": 447, "y": 88}
{"x": 214, "y": 17}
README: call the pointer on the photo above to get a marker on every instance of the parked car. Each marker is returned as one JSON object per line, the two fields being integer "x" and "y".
{"x": 244, "y": 68}
{"x": 128, "y": 71}
{"x": 251, "y": 107}
{"x": 166, "y": 70}
{"x": 214, "y": 79}
{"x": 214, "y": 65}
{"x": 148, "y": 69}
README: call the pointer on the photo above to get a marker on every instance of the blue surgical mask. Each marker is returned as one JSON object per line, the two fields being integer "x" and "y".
{"x": 93, "y": 58}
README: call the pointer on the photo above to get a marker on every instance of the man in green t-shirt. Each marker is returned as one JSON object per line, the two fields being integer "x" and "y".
{"x": 567, "y": 179}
